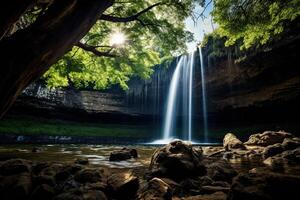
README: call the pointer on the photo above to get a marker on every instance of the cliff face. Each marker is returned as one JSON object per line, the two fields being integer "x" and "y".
{"x": 262, "y": 86}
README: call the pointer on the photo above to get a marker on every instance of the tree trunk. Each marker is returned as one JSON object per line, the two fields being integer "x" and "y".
{"x": 10, "y": 12}
{"x": 27, "y": 55}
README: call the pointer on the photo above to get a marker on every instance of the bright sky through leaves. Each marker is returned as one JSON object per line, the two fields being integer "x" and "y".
{"x": 117, "y": 39}
{"x": 199, "y": 27}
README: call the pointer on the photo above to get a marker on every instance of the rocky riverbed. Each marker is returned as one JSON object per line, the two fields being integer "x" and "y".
{"x": 263, "y": 168}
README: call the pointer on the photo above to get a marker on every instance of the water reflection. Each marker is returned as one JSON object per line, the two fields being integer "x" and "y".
{"x": 96, "y": 154}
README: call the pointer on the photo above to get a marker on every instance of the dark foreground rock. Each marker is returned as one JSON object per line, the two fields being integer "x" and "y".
{"x": 155, "y": 189}
{"x": 123, "y": 154}
{"x": 177, "y": 160}
{"x": 265, "y": 186}
{"x": 123, "y": 185}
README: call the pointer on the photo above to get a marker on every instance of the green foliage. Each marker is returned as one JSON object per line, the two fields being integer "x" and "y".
{"x": 155, "y": 37}
{"x": 214, "y": 44}
{"x": 254, "y": 22}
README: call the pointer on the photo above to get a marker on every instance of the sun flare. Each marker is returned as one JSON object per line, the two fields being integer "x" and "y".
{"x": 117, "y": 39}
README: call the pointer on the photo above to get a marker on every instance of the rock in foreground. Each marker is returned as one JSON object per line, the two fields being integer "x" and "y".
{"x": 265, "y": 186}
{"x": 267, "y": 138}
{"x": 123, "y": 154}
{"x": 177, "y": 160}
{"x": 232, "y": 142}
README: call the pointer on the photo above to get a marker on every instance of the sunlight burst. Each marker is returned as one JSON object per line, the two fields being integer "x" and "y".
{"x": 117, "y": 39}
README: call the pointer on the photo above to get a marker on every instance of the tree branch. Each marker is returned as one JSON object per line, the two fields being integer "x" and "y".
{"x": 130, "y": 18}
{"x": 204, "y": 9}
{"x": 94, "y": 50}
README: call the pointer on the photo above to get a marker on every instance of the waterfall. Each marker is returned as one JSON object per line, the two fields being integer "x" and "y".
{"x": 171, "y": 102}
{"x": 204, "y": 108}
{"x": 183, "y": 74}
{"x": 190, "y": 97}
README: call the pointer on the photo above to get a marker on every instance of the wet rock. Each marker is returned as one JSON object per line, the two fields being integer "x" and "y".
{"x": 214, "y": 196}
{"x": 192, "y": 186}
{"x": 15, "y": 166}
{"x": 62, "y": 175}
{"x": 43, "y": 191}
{"x": 123, "y": 154}
{"x": 79, "y": 194}
{"x": 94, "y": 195}
{"x": 267, "y": 138}
{"x": 276, "y": 163}
{"x": 228, "y": 155}
{"x": 44, "y": 179}
{"x": 15, "y": 187}
{"x": 210, "y": 189}
{"x": 82, "y": 161}
{"x": 96, "y": 186}
{"x": 265, "y": 186}
{"x": 177, "y": 160}
{"x": 123, "y": 185}
{"x": 272, "y": 150}
{"x": 220, "y": 170}
{"x": 293, "y": 156}
{"x": 284, "y": 160}
{"x": 230, "y": 142}
{"x": 52, "y": 169}
{"x": 155, "y": 189}
{"x": 221, "y": 183}
{"x": 60, "y": 172}
{"x": 35, "y": 150}
{"x": 70, "y": 195}
{"x": 39, "y": 166}
{"x": 291, "y": 143}
{"x": 90, "y": 175}
{"x": 212, "y": 151}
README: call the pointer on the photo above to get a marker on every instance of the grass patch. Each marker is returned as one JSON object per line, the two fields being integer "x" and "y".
{"x": 67, "y": 128}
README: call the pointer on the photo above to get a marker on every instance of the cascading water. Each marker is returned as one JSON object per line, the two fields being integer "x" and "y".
{"x": 183, "y": 74}
{"x": 171, "y": 102}
{"x": 204, "y": 108}
{"x": 190, "y": 97}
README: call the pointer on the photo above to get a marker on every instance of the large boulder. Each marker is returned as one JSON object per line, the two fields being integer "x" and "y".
{"x": 272, "y": 150}
{"x": 230, "y": 142}
{"x": 267, "y": 138}
{"x": 81, "y": 161}
{"x": 285, "y": 160}
{"x": 220, "y": 170}
{"x": 265, "y": 186}
{"x": 123, "y": 154}
{"x": 15, "y": 187}
{"x": 155, "y": 189}
{"x": 291, "y": 143}
{"x": 15, "y": 166}
{"x": 177, "y": 160}
{"x": 90, "y": 175}
{"x": 123, "y": 185}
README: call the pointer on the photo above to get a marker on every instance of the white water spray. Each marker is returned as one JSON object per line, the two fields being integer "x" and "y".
{"x": 171, "y": 102}
{"x": 203, "y": 96}
{"x": 190, "y": 97}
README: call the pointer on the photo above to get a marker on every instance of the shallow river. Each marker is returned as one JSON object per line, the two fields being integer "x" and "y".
{"x": 97, "y": 155}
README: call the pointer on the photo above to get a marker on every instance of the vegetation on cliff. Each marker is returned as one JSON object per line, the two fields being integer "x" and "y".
{"x": 255, "y": 22}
